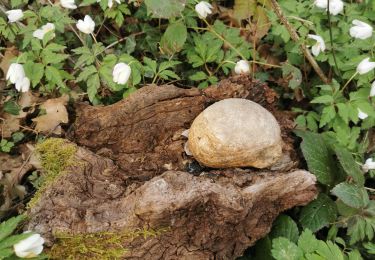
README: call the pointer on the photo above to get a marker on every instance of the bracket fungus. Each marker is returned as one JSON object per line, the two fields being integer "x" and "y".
{"x": 235, "y": 132}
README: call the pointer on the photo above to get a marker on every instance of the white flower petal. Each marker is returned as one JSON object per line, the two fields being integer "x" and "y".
{"x": 14, "y": 15}
{"x": 203, "y": 9}
{"x": 372, "y": 91}
{"x": 29, "y": 247}
{"x": 15, "y": 72}
{"x": 121, "y": 73}
{"x": 69, "y": 4}
{"x": 360, "y": 30}
{"x": 365, "y": 66}
{"x": 242, "y": 67}
{"x": 362, "y": 115}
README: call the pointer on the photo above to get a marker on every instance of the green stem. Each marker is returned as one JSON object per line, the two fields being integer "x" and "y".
{"x": 347, "y": 83}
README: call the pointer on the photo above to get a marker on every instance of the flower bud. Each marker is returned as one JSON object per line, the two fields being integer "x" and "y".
{"x": 242, "y": 67}
{"x": 87, "y": 25}
{"x": 29, "y": 247}
{"x": 365, "y": 66}
{"x": 14, "y": 15}
{"x": 203, "y": 9}
{"x": 121, "y": 73}
{"x": 360, "y": 30}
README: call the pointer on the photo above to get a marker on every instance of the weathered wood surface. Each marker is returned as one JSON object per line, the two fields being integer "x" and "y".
{"x": 133, "y": 173}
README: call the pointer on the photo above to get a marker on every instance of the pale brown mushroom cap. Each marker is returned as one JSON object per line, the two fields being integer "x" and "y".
{"x": 235, "y": 133}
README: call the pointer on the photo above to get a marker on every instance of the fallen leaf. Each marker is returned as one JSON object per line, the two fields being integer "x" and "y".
{"x": 9, "y": 124}
{"x": 56, "y": 114}
{"x": 9, "y": 54}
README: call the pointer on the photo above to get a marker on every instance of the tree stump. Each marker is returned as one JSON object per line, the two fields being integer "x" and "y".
{"x": 130, "y": 172}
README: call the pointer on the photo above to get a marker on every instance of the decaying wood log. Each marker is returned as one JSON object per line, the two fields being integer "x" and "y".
{"x": 130, "y": 172}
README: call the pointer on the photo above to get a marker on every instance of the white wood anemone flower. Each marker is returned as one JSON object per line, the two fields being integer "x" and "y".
{"x": 242, "y": 67}
{"x": 121, "y": 73}
{"x": 87, "y": 25}
{"x": 372, "y": 90}
{"x": 14, "y": 15}
{"x": 43, "y": 30}
{"x": 68, "y": 4}
{"x": 362, "y": 115}
{"x": 360, "y": 30}
{"x": 15, "y": 72}
{"x": 365, "y": 66}
{"x": 29, "y": 247}
{"x": 110, "y": 2}
{"x": 335, "y": 6}
{"x": 23, "y": 85}
{"x": 369, "y": 165}
{"x": 319, "y": 46}
{"x": 203, "y": 9}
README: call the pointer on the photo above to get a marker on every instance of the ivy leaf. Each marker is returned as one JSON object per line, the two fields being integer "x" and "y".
{"x": 318, "y": 213}
{"x": 351, "y": 195}
{"x": 318, "y": 156}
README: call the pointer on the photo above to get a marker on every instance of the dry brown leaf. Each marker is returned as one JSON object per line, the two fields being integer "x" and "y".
{"x": 9, "y": 124}
{"x": 56, "y": 114}
{"x": 27, "y": 99}
{"x": 9, "y": 54}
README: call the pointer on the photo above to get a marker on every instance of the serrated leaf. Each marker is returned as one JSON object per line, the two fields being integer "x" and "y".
{"x": 34, "y": 71}
{"x": 350, "y": 165}
{"x": 307, "y": 241}
{"x": 318, "y": 157}
{"x": 165, "y": 8}
{"x": 198, "y": 76}
{"x": 292, "y": 74}
{"x": 326, "y": 99}
{"x": 283, "y": 249}
{"x": 11, "y": 240}
{"x": 93, "y": 84}
{"x": 318, "y": 213}
{"x": 167, "y": 74}
{"x": 351, "y": 195}
{"x": 87, "y": 71}
{"x": 7, "y": 227}
{"x": 284, "y": 226}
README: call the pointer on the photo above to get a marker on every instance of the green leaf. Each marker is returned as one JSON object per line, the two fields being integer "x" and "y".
{"x": 7, "y": 227}
{"x": 318, "y": 213}
{"x": 350, "y": 165}
{"x": 351, "y": 195}
{"x": 174, "y": 38}
{"x": 34, "y": 71}
{"x": 6, "y": 252}
{"x": 318, "y": 157}
{"x": 87, "y": 71}
{"x": 328, "y": 114}
{"x": 93, "y": 84}
{"x": 307, "y": 241}
{"x": 326, "y": 99}
{"x": 284, "y": 226}
{"x": 165, "y": 8}
{"x": 329, "y": 250}
{"x": 12, "y": 107}
{"x": 292, "y": 74}
{"x": 283, "y": 249}
{"x": 198, "y": 76}
{"x": 11, "y": 240}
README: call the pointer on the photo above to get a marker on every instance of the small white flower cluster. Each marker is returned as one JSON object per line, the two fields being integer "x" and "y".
{"x": 29, "y": 247}
{"x": 16, "y": 75}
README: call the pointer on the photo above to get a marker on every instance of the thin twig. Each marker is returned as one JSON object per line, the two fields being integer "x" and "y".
{"x": 295, "y": 38}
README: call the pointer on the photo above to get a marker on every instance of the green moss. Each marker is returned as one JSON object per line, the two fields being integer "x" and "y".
{"x": 55, "y": 156}
{"x": 100, "y": 245}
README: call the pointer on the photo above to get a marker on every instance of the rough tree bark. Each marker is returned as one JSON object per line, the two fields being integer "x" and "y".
{"x": 133, "y": 173}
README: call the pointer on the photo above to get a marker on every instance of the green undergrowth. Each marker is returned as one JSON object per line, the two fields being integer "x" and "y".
{"x": 99, "y": 245}
{"x": 55, "y": 156}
